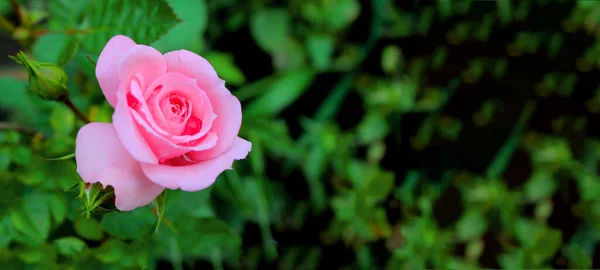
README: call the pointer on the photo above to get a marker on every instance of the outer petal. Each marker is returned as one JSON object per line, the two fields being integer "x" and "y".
{"x": 106, "y": 67}
{"x": 129, "y": 134}
{"x": 226, "y": 106}
{"x": 141, "y": 60}
{"x": 101, "y": 158}
{"x": 200, "y": 175}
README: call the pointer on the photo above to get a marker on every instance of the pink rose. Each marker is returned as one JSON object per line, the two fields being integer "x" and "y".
{"x": 175, "y": 125}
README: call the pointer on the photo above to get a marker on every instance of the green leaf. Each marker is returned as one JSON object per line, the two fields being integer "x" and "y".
{"x": 548, "y": 244}
{"x": 225, "y": 67}
{"x": 160, "y": 208}
{"x": 58, "y": 207}
{"x": 471, "y": 225}
{"x": 55, "y": 48}
{"x": 577, "y": 257}
{"x": 391, "y": 58}
{"x": 540, "y": 185}
{"x": 380, "y": 186}
{"x": 341, "y": 13}
{"x": 111, "y": 251}
{"x": 143, "y": 21}
{"x": 20, "y": 155}
{"x": 270, "y": 28}
{"x": 513, "y": 260}
{"x": 69, "y": 245}
{"x": 89, "y": 228}
{"x": 372, "y": 128}
{"x": 504, "y": 10}
{"x": 62, "y": 119}
{"x": 66, "y": 14}
{"x": 282, "y": 93}
{"x": 320, "y": 49}
{"x": 33, "y": 219}
{"x": 7, "y": 232}
{"x": 177, "y": 205}
{"x": 129, "y": 225}
{"x": 256, "y": 156}
{"x": 18, "y": 102}
{"x": 188, "y": 34}
{"x": 4, "y": 159}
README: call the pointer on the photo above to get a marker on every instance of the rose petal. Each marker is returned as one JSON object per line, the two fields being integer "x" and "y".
{"x": 200, "y": 175}
{"x": 226, "y": 106}
{"x": 163, "y": 148}
{"x": 128, "y": 132}
{"x": 101, "y": 158}
{"x": 106, "y": 67}
{"x": 141, "y": 60}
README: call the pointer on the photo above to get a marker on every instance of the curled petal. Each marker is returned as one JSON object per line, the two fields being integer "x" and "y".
{"x": 163, "y": 148}
{"x": 106, "y": 67}
{"x": 101, "y": 158}
{"x": 200, "y": 175}
{"x": 129, "y": 134}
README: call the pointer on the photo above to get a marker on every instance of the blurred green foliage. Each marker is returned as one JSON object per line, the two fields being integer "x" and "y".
{"x": 326, "y": 184}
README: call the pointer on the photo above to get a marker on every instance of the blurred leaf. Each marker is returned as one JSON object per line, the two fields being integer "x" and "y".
{"x": 391, "y": 59}
{"x": 281, "y": 93}
{"x": 372, "y": 128}
{"x": 320, "y": 49}
{"x": 339, "y": 14}
{"x": 18, "y": 102}
{"x": 513, "y": 260}
{"x": 270, "y": 28}
{"x": 577, "y": 257}
{"x": 55, "y": 48}
{"x": 20, "y": 155}
{"x": 541, "y": 185}
{"x": 62, "y": 119}
{"x": 89, "y": 228}
{"x": 471, "y": 225}
{"x": 225, "y": 67}
{"x": 69, "y": 245}
{"x": 256, "y": 156}
{"x": 111, "y": 251}
{"x": 58, "y": 208}
{"x": 504, "y": 10}
{"x": 143, "y": 21}
{"x": 188, "y": 34}
{"x": 289, "y": 55}
{"x": 66, "y": 13}
{"x": 7, "y": 231}
{"x": 556, "y": 42}
{"x": 33, "y": 219}
{"x": 4, "y": 159}
{"x": 129, "y": 225}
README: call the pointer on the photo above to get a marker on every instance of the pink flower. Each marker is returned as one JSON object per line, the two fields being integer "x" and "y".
{"x": 175, "y": 125}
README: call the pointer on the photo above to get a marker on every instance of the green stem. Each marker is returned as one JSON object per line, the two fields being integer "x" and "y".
{"x": 77, "y": 112}
{"x": 17, "y": 127}
{"x": 504, "y": 155}
{"x": 6, "y": 25}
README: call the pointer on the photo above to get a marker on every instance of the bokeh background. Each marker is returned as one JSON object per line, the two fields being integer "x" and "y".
{"x": 386, "y": 135}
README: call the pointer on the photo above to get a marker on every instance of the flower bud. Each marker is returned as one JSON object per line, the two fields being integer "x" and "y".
{"x": 47, "y": 80}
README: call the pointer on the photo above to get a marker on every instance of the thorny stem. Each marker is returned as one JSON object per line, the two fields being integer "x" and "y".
{"x": 77, "y": 112}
